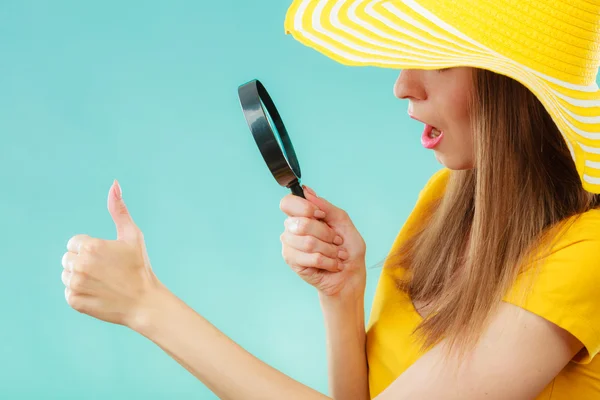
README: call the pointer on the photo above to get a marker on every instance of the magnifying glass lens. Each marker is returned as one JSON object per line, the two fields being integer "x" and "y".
{"x": 270, "y": 135}
{"x": 276, "y": 133}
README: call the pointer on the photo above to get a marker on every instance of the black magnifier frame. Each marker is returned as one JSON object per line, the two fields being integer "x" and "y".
{"x": 283, "y": 165}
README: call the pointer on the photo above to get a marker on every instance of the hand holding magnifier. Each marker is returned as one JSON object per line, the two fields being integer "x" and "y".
{"x": 271, "y": 137}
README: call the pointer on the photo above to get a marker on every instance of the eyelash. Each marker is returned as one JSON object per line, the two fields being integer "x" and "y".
{"x": 443, "y": 69}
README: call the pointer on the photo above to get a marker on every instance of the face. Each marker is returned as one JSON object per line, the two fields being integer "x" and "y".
{"x": 440, "y": 98}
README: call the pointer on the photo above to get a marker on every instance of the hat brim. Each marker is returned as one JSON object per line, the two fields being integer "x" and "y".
{"x": 407, "y": 36}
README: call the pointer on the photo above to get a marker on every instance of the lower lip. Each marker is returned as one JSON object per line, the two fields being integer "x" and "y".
{"x": 426, "y": 141}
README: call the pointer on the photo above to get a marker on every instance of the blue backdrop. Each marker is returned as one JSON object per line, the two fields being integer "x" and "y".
{"x": 146, "y": 92}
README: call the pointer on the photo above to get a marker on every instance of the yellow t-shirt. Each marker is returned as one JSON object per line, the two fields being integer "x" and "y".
{"x": 565, "y": 293}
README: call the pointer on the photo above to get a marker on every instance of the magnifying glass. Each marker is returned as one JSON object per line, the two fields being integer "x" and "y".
{"x": 270, "y": 135}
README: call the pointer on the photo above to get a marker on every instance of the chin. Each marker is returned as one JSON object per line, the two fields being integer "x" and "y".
{"x": 454, "y": 163}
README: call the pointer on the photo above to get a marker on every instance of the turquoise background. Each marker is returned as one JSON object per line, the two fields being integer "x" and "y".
{"x": 146, "y": 92}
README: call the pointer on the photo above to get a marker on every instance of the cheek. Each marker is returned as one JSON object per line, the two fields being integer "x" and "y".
{"x": 462, "y": 131}
{"x": 465, "y": 141}
{"x": 466, "y": 149}
{"x": 456, "y": 152}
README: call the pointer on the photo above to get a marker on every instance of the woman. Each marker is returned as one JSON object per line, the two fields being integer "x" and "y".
{"x": 489, "y": 290}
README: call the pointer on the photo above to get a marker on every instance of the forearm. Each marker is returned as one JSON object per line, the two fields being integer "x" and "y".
{"x": 346, "y": 352}
{"x": 221, "y": 364}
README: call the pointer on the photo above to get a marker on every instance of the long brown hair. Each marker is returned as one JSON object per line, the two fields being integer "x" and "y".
{"x": 483, "y": 231}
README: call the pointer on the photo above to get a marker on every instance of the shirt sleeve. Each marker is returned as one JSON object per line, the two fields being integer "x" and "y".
{"x": 563, "y": 289}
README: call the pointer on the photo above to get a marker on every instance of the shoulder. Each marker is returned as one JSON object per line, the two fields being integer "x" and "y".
{"x": 436, "y": 184}
{"x": 577, "y": 240}
{"x": 561, "y": 286}
{"x": 584, "y": 226}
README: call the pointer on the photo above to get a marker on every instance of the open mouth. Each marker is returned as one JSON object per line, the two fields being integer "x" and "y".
{"x": 435, "y": 132}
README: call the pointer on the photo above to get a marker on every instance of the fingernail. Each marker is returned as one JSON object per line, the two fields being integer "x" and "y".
{"x": 320, "y": 214}
{"x": 338, "y": 240}
{"x": 118, "y": 190}
{"x": 309, "y": 190}
{"x": 340, "y": 266}
{"x": 342, "y": 254}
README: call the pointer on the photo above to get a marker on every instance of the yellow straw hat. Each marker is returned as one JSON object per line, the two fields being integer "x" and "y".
{"x": 550, "y": 46}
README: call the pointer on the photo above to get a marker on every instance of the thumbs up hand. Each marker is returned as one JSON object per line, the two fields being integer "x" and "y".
{"x": 109, "y": 279}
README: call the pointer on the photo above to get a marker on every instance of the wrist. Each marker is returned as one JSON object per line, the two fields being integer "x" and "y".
{"x": 350, "y": 304}
{"x": 149, "y": 309}
{"x": 353, "y": 290}
{"x": 346, "y": 296}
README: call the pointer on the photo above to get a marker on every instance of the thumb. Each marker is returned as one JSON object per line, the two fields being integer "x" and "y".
{"x": 333, "y": 214}
{"x": 127, "y": 230}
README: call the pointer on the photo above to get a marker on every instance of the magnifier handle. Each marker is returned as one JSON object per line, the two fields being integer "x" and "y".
{"x": 297, "y": 190}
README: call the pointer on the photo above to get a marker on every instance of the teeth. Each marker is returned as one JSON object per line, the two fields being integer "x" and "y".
{"x": 434, "y": 133}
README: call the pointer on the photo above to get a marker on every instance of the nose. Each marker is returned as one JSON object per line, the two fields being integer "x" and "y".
{"x": 409, "y": 85}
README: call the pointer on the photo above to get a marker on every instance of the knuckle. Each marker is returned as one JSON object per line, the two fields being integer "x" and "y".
{"x": 92, "y": 245}
{"x": 76, "y": 302}
{"x": 77, "y": 265}
{"x": 319, "y": 259}
{"x": 310, "y": 243}
{"x": 308, "y": 210}
{"x": 302, "y": 225}
{"x": 284, "y": 203}
{"x": 333, "y": 251}
{"x": 76, "y": 283}
{"x": 81, "y": 265}
{"x": 284, "y": 254}
{"x": 65, "y": 261}
{"x": 64, "y": 277}
{"x": 70, "y": 296}
{"x": 73, "y": 242}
